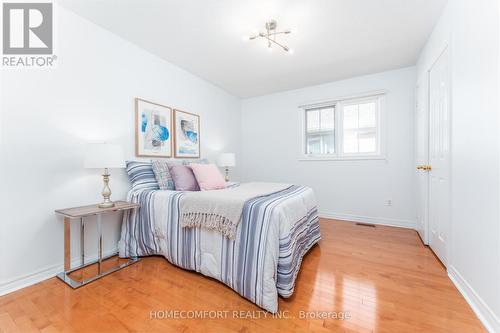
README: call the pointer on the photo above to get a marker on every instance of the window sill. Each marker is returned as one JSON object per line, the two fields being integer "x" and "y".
{"x": 342, "y": 158}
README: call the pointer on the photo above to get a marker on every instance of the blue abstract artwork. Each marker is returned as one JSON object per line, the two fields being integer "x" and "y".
{"x": 154, "y": 130}
{"x": 187, "y": 134}
{"x": 144, "y": 122}
{"x": 188, "y": 130}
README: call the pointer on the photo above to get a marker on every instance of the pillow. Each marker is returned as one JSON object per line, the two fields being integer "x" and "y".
{"x": 141, "y": 175}
{"x": 197, "y": 161}
{"x": 183, "y": 177}
{"x": 208, "y": 176}
{"x": 162, "y": 175}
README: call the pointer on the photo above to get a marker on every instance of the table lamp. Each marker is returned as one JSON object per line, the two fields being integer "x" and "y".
{"x": 226, "y": 160}
{"x": 104, "y": 156}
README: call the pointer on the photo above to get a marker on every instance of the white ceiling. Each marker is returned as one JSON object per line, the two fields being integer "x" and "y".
{"x": 336, "y": 39}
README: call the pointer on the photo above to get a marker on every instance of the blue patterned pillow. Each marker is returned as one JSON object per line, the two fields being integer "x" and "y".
{"x": 141, "y": 175}
{"x": 162, "y": 175}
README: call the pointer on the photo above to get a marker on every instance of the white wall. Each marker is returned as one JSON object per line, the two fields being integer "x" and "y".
{"x": 49, "y": 115}
{"x": 470, "y": 28}
{"x": 271, "y": 146}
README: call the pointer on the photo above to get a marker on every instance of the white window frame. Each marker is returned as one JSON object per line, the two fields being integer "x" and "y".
{"x": 338, "y": 104}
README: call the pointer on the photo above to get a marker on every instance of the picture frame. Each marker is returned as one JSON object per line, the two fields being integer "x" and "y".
{"x": 153, "y": 129}
{"x": 186, "y": 134}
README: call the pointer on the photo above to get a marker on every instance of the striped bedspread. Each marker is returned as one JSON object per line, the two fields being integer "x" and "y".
{"x": 262, "y": 262}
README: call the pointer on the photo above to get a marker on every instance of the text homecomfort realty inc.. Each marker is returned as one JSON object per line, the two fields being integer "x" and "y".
{"x": 242, "y": 314}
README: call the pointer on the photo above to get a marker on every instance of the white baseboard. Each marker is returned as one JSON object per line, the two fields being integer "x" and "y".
{"x": 480, "y": 308}
{"x": 48, "y": 272}
{"x": 369, "y": 219}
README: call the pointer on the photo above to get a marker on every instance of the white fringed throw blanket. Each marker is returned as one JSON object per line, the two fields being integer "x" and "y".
{"x": 221, "y": 210}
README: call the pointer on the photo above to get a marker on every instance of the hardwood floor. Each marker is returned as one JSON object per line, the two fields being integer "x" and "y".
{"x": 383, "y": 278}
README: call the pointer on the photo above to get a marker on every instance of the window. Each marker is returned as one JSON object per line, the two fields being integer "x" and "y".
{"x": 344, "y": 129}
{"x": 360, "y": 127}
{"x": 320, "y": 131}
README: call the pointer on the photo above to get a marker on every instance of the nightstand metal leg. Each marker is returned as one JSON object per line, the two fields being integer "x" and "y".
{"x": 67, "y": 244}
{"x": 99, "y": 230}
{"x": 82, "y": 239}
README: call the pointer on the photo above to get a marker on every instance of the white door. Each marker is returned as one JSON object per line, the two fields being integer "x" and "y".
{"x": 439, "y": 156}
{"x": 422, "y": 157}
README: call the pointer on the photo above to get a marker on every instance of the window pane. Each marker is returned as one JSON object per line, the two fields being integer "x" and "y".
{"x": 312, "y": 120}
{"x": 367, "y": 142}
{"x": 367, "y": 115}
{"x": 350, "y": 142}
{"x": 313, "y": 144}
{"x": 317, "y": 144}
{"x": 320, "y": 131}
{"x": 351, "y": 117}
{"x": 360, "y": 128}
{"x": 328, "y": 143}
{"x": 328, "y": 119}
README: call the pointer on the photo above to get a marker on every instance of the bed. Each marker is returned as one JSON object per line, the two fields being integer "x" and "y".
{"x": 260, "y": 263}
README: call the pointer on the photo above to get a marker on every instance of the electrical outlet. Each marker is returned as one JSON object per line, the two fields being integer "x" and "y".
{"x": 388, "y": 203}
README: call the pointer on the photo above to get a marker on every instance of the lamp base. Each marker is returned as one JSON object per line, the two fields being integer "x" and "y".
{"x": 106, "y": 191}
{"x": 106, "y": 204}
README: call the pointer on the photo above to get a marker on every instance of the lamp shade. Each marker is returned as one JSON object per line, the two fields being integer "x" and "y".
{"x": 104, "y": 155}
{"x": 226, "y": 160}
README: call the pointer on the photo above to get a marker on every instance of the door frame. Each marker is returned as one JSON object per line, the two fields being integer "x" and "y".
{"x": 424, "y": 84}
{"x": 445, "y": 47}
{"x": 423, "y": 87}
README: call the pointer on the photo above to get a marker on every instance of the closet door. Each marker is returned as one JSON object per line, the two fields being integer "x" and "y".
{"x": 439, "y": 156}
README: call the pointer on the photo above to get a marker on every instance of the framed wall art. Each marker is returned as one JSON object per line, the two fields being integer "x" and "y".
{"x": 153, "y": 129}
{"x": 187, "y": 134}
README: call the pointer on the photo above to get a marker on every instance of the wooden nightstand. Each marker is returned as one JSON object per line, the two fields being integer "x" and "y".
{"x": 81, "y": 213}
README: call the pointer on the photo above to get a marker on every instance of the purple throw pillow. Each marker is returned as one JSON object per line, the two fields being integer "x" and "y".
{"x": 183, "y": 178}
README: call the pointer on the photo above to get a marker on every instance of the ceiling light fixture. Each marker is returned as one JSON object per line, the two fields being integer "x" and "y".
{"x": 270, "y": 36}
